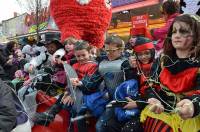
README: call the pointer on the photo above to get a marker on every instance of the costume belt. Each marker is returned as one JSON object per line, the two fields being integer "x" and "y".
{"x": 178, "y": 96}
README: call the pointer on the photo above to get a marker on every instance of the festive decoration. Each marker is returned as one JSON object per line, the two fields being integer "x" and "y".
{"x": 82, "y": 19}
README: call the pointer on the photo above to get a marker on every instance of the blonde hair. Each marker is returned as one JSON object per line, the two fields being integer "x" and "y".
{"x": 71, "y": 40}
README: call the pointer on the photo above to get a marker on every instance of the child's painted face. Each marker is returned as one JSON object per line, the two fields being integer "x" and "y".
{"x": 82, "y": 56}
{"x": 144, "y": 56}
{"x": 113, "y": 52}
{"x": 182, "y": 36}
{"x": 69, "y": 47}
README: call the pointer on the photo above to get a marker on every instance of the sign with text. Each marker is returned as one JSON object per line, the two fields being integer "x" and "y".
{"x": 139, "y": 21}
{"x": 43, "y": 16}
{"x": 117, "y": 3}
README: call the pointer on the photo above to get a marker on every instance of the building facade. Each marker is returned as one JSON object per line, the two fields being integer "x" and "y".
{"x": 125, "y": 10}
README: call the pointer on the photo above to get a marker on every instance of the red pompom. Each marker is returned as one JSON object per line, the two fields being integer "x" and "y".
{"x": 88, "y": 22}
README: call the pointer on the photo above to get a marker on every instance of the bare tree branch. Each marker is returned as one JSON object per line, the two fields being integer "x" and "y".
{"x": 34, "y": 6}
{"x": 30, "y": 5}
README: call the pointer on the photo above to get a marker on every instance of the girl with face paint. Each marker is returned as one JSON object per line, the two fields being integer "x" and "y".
{"x": 175, "y": 105}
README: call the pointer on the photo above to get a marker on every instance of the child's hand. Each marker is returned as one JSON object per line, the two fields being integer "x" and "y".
{"x": 10, "y": 56}
{"x": 185, "y": 108}
{"x": 58, "y": 61}
{"x": 75, "y": 82}
{"x": 19, "y": 74}
{"x": 67, "y": 100}
{"x": 27, "y": 82}
{"x": 131, "y": 104}
{"x": 31, "y": 68}
{"x": 132, "y": 61}
{"x": 155, "y": 106}
{"x": 9, "y": 62}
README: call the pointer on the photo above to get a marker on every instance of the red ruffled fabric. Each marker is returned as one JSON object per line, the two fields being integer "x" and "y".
{"x": 180, "y": 82}
{"x": 87, "y": 22}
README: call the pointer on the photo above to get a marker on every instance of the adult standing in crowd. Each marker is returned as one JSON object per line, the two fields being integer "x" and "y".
{"x": 7, "y": 59}
{"x": 170, "y": 9}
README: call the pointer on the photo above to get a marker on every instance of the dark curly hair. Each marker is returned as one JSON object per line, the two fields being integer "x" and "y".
{"x": 10, "y": 45}
{"x": 170, "y": 7}
{"x": 57, "y": 43}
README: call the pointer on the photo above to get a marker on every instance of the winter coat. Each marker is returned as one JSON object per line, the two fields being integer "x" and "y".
{"x": 8, "y": 113}
{"x": 7, "y": 70}
{"x": 161, "y": 33}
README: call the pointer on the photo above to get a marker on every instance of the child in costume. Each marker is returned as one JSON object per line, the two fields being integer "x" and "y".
{"x": 69, "y": 48}
{"x": 127, "y": 118}
{"x": 175, "y": 105}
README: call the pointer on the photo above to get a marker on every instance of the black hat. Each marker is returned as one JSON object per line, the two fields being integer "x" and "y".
{"x": 57, "y": 43}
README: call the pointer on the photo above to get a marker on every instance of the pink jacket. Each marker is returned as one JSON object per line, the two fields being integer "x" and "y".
{"x": 160, "y": 33}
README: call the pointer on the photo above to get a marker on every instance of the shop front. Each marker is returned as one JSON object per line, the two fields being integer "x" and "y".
{"x": 125, "y": 10}
{"x": 25, "y": 25}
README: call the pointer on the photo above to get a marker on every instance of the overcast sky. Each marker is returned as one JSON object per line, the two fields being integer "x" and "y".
{"x": 7, "y": 7}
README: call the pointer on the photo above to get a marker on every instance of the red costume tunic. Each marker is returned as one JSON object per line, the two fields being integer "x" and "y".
{"x": 178, "y": 81}
{"x": 184, "y": 81}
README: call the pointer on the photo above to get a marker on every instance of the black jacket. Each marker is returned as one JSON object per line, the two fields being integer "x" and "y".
{"x": 8, "y": 111}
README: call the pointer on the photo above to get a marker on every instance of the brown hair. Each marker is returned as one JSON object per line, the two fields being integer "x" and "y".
{"x": 170, "y": 7}
{"x": 114, "y": 39}
{"x": 194, "y": 22}
{"x": 71, "y": 40}
{"x": 81, "y": 45}
{"x": 10, "y": 45}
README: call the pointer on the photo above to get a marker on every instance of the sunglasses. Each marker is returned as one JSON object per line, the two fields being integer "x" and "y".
{"x": 112, "y": 50}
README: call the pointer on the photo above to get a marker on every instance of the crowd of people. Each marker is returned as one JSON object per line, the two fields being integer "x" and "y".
{"x": 155, "y": 87}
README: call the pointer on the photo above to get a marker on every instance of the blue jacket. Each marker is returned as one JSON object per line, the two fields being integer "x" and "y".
{"x": 126, "y": 89}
